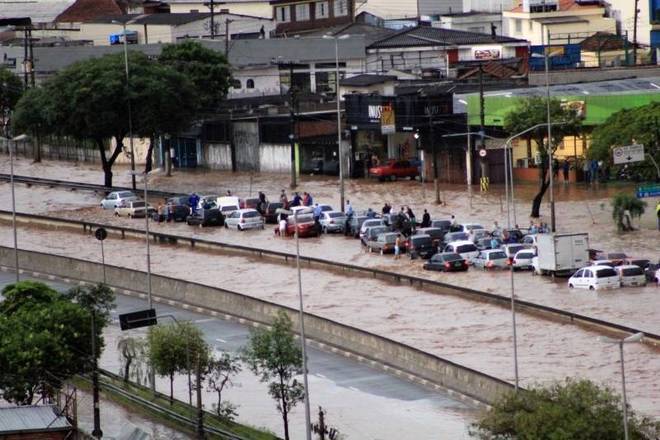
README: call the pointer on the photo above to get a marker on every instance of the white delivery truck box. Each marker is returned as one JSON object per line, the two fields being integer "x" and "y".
{"x": 562, "y": 254}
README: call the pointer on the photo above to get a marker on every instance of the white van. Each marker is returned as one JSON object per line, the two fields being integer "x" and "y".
{"x": 595, "y": 278}
{"x": 464, "y": 248}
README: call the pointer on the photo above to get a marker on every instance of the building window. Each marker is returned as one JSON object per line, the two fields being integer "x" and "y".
{"x": 236, "y": 84}
{"x": 341, "y": 8}
{"x": 518, "y": 25}
{"x": 249, "y": 84}
{"x": 302, "y": 12}
{"x": 321, "y": 10}
{"x": 282, "y": 14}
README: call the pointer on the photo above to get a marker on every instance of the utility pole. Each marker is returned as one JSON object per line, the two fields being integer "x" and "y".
{"x": 30, "y": 43}
{"x": 97, "y": 433}
{"x": 200, "y": 410}
{"x": 553, "y": 224}
{"x": 227, "y": 22}
{"x": 292, "y": 118}
{"x": 482, "y": 121}
{"x": 26, "y": 57}
{"x": 434, "y": 152}
{"x": 635, "y": 32}
{"x": 212, "y": 21}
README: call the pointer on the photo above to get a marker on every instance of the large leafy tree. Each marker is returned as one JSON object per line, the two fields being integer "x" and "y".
{"x": 176, "y": 348}
{"x": 32, "y": 116}
{"x": 45, "y": 338}
{"x": 11, "y": 89}
{"x": 531, "y": 112}
{"x": 640, "y": 125}
{"x": 89, "y": 100}
{"x": 206, "y": 68}
{"x": 574, "y": 409}
{"x": 276, "y": 357}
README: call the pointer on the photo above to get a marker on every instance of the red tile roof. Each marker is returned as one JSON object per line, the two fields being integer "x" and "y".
{"x": 86, "y": 10}
{"x": 564, "y": 5}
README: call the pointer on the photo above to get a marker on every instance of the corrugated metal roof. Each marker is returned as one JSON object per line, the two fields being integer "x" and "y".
{"x": 430, "y": 36}
{"x": 30, "y": 419}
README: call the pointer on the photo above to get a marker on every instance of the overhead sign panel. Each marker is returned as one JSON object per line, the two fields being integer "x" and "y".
{"x": 141, "y": 318}
{"x": 628, "y": 154}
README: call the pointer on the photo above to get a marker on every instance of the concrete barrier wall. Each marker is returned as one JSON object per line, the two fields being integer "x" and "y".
{"x": 590, "y": 75}
{"x": 412, "y": 361}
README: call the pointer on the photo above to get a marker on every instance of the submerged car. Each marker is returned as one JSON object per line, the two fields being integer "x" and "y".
{"x": 244, "y": 219}
{"x": 491, "y": 259}
{"x": 447, "y": 262}
{"x": 631, "y": 275}
{"x": 595, "y": 278}
{"x": 332, "y": 221}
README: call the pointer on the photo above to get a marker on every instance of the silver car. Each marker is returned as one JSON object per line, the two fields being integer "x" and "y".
{"x": 491, "y": 259}
{"x": 333, "y": 221}
{"x": 116, "y": 198}
{"x": 243, "y": 219}
{"x": 133, "y": 208}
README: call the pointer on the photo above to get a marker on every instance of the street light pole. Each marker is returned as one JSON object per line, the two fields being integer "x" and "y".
{"x": 637, "y": 337}
{"x": 13, "y": 208}
{"x": 308, "y": 417}
{"x": 130, "y": 116}
{"x": 553, "y": 225}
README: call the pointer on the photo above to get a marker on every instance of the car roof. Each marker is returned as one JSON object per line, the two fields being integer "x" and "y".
{"x": 627, "y": 266}
{"x": 332, "y": 212}
{"x": 460, "y": 242}
{"x": 246, "y": 210}
{"x": 597, "y": 268}
{"x": 420, "y": 236}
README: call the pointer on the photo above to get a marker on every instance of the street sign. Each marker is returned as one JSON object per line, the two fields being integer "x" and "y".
{"x": 628, "y": 154}
{"x": 141, "y": 318}
{"x": 482, "y": 152}
{"x": 648, "y": 191}
{"x": 101, "y": 234}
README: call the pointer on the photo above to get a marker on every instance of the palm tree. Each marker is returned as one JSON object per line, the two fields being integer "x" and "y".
{"x": 622, "y": 203}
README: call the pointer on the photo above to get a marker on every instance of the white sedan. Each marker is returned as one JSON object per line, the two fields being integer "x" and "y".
{"x": 523, "y": 259}
{"x": 117, "y": 198}
{"x": 244, "y": 219}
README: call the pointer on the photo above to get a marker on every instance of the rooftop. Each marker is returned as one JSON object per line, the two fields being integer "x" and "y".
{"x": 564, "y": 5}
{"x": 33, "y": 418}
{"x": 366, "y": 80}
{"x": 39, "y": 12}
{"x": 370, "y": 33}
{"x": 604, "y": 41}
{"x": 87, "y": 10}
{"x": 421, "y": 36}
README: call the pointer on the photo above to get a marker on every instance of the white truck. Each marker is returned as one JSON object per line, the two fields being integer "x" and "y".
{"x": 561, "y": 254}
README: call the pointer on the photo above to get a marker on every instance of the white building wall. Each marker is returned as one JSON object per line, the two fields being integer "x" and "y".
{"x": 488, "y": 5}
{"x": 388, "y": 9}
{"x": 275, "y": 158}
{"x": 255, "y": 8}
{"x": 266, "y": 82}
{"x": 623, "y": 12}
{"x": 435, "y": 7}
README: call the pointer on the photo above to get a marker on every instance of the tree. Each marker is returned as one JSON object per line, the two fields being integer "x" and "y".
{"x": 276, "y": 357}
{"x": 44, "y": 339}
{"x": 531, "y": 112}
{"x": 622, "y": 203}
{"x": 89, "y": 100}
{"x": 206, "y": 68}
{"x": 175, "y": 349}
{"x": 98, "y": 297}
{"x": 574, "y": 409}
{"x": 219, "y": 376}
{"x": 637, "y": 125}
{"x": 11, "y": 89}
{"x": 31, "y": 116}
{"x": 132, "y": 353}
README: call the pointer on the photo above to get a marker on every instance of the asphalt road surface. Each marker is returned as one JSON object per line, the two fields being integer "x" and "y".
{"x": 361, "y": 402}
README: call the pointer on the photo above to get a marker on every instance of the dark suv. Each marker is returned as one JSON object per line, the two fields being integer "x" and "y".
{"x": 206, "y": 217}
{"x": 420, "y": 245}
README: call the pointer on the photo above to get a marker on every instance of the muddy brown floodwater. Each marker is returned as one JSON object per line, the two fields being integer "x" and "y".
{"x": 471, "y": 333}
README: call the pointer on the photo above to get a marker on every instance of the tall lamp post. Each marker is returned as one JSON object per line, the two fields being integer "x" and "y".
{"x": 637, "y": 337}
{"x": 130, "y": 116}
{"x": 14, "y": 140}
{"x": 339, "y": 149}
{"x": 308, "y": 417}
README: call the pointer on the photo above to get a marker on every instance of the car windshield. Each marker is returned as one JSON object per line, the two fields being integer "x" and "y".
{"x": 368, "y": 223}
{"x": 250, "y": 214}
{"x": 229, "y": 208}
{"x": 387, "y": 238}
{"x": 441, "y": 223}
{"x": 514, "y": 249}
{"x": 466, "y": 248}
{"x": 631, "y": 271}
{"x": 326, "y": 208}
{"x": 376, "y": 230}
{"x": 640, "y": 263}
{"x": 138, "y": 204}
{"x": 525, "y": 255}
{"x": 497, "y": 255}
{"x": 604, "y": 273}
{"x": 455, "y": 236}
{"x": 471, "y": 227}
{"x": 335, "y": 215}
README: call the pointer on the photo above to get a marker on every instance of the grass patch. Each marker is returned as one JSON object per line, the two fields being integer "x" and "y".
{"x": 178, "y": 406}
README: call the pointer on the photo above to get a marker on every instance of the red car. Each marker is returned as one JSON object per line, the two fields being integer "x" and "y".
{"x": 306, "y": 226}
{"x": 394, "y": 169}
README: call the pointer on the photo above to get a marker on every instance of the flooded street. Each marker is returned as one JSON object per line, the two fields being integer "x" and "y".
{"x": 474, "y": 334}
